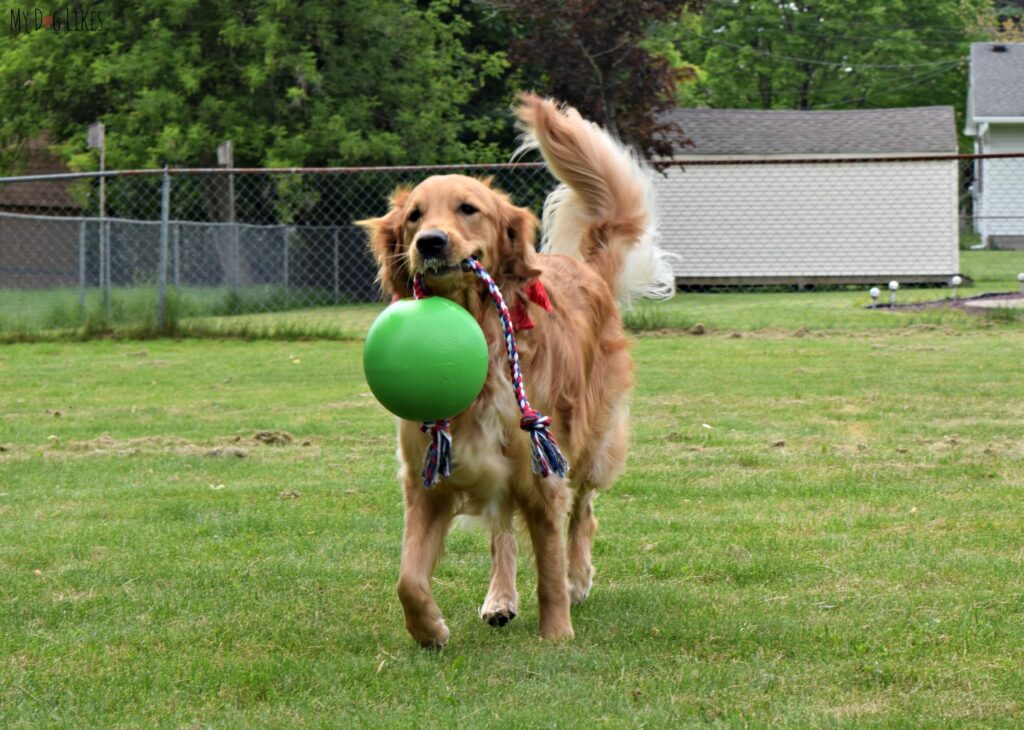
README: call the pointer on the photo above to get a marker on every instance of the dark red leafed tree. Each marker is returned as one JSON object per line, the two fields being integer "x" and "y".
{"x": 591, "y": 54}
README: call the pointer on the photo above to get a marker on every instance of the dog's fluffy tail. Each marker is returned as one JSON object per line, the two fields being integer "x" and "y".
{"x": 603, "y": 210}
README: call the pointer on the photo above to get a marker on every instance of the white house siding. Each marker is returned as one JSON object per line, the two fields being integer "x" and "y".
{"x": 795, "y": 221}
{"x": 999, "y": 186}
{"x": 1005, "y": 138}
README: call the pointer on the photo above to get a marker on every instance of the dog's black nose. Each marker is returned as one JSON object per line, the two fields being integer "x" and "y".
{"x": 431, "y": 244}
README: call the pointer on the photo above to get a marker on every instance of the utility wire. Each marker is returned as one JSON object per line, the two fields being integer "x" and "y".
{"x": 791, "y": 95}
{"x": 836, "y": 64}
{"x": 823, "y": 35}
{"x": 911, "y": 82}
{"x": 817, "y": 18}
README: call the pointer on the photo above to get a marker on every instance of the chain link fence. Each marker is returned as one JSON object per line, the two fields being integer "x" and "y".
{"x": 142, "y": 246}
{"x": 230, "y": 248}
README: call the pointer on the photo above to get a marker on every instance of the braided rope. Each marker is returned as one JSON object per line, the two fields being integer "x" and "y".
{"x": 545, "y": 455}
{"x": 418, "y": 290}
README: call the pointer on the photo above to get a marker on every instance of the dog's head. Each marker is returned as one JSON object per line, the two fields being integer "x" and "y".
{"x": 431, "y": 228}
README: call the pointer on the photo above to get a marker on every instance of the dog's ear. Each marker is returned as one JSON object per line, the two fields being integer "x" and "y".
{"x": 517, "y": 244}
{"x": 385, "y": 235}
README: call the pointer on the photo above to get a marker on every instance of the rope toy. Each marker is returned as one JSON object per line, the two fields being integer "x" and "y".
{"x": 545, "y": 456}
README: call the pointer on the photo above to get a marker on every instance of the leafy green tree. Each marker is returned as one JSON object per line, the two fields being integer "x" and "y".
{"x": 1007, "y": 21}
{"x": 308, "y": 83}
{"x": 666, "y": 40}
{"x": 819, "y": 54}
{"x": 596, "y": 55}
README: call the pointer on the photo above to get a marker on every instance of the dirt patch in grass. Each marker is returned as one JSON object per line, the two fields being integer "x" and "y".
{"x": 106, "y": 445}
{"x": 226, "y": 447}
{"x": 273, "y": 438}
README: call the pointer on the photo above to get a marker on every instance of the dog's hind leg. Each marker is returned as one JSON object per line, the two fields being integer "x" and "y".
{"x": 502, "y": 601}
{"x": 582, "y": 526}
{"x": 545, "y": 519}
{"x": 610, "y": 458}
{"x": 427, "y": 518}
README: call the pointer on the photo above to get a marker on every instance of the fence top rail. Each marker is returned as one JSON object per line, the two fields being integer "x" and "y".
{"x": 343, "y": 225}
{"x": 832, "y": 160}
{"x": 483, "y": 167}
{"x": 476, "y": 166}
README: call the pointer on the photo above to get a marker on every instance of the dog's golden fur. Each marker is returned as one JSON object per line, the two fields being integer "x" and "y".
{"x": 575, "y": 362}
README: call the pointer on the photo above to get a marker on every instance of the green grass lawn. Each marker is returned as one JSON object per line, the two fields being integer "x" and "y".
{"x": 132, "y": 311}
{"x": 818, "y": 530}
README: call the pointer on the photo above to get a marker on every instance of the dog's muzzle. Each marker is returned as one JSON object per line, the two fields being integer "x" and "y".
{"x": 432, "y": 244}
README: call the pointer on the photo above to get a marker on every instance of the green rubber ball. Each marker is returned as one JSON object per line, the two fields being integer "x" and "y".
{"x": 425, "y": 359}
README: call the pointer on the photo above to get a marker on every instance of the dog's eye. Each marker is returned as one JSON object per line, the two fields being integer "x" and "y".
{"x": 415, "y": 215}
{"x": 467, "y": 209}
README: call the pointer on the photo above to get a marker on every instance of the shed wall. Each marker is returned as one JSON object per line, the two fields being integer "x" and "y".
{"x": 835, "y": 220}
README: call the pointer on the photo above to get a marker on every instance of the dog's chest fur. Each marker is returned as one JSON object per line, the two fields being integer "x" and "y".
{"x": 487, "y": 446}
{"x": 489, "y": 450}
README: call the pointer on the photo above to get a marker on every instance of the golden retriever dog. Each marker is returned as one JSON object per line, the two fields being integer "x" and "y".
{"x": 598, "y": 251}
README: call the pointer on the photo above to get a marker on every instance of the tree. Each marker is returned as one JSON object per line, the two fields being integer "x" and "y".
{"x": 1007, "y": 21}
{"x": 594, "y": 55}
{"x": 312, "y": 83}
{"x": 820, "y": 54}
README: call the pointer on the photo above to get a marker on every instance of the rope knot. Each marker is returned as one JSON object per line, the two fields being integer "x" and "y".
{"x": 534, "y": 420}
{"x": 545, "y": 456}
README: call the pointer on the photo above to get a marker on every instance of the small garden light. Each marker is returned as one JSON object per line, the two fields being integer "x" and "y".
{"x": 873, "y": 292}
{"x": 893, "y": 286}
{"x": 955, "y": 282}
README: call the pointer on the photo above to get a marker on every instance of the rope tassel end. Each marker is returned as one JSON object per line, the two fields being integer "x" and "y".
{"x": 438, "y": 462}
{"x": 546, "y": 457}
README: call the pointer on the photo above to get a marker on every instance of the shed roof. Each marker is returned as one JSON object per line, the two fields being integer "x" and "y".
{"x": 996, "y": 80}
{"x": 912, "y": 130}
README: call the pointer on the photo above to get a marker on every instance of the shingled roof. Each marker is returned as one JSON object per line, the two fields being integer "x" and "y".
{"x": 857, "y": 131}
{"x": 997, "y": 81}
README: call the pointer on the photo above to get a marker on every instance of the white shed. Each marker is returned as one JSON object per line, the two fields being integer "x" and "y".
{"x": 995, "y": 118}
{"x": 812, "y": 197}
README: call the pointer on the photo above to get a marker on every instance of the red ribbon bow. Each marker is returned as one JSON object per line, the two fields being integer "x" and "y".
{"x": 534, "y": 292}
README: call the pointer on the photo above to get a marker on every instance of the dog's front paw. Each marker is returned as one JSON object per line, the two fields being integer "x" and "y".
{"x": 437, "y": 643}
{"x": 580, "y": 583}
{"x": 557, "y": 632}
{"x": 430, "y": 636}
{"x": 499, "y": 611}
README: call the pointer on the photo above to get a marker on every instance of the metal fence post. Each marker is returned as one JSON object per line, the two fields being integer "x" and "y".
{"x": 177, "y": 255}
{"x": 81, "y": 270}
{"x": 165, "y": 217}
{"x": 284, "y": 229}
{"x": 236, "y": 255}
{"x": 236, "y": 248}
{"x": 226, "y": 157}
{"x": 337, "y": 273}
{"x": 105, "y": 264}
{"x": 104, "y": 231}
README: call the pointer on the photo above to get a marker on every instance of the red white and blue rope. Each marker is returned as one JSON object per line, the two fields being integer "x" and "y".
{"x": 546, "y": 458}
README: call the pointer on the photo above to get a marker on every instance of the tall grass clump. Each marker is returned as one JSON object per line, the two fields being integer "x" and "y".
{"x": 652, "y": 316}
